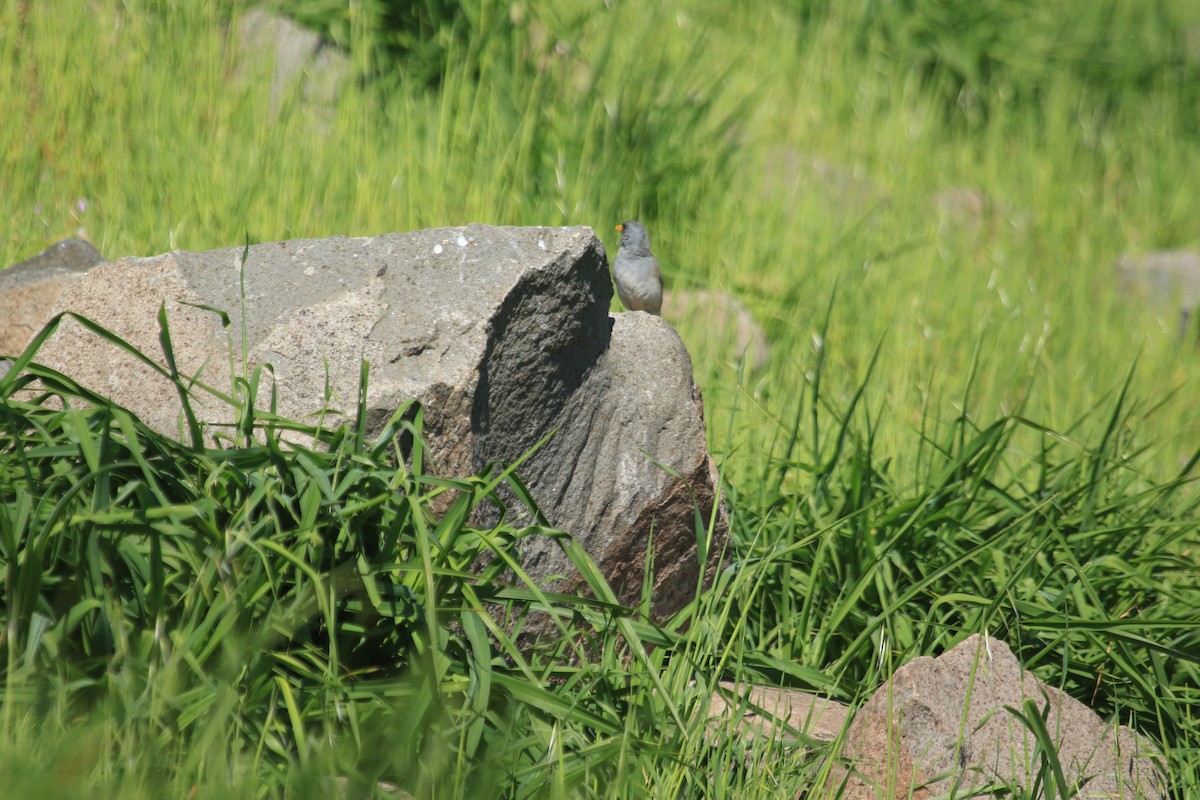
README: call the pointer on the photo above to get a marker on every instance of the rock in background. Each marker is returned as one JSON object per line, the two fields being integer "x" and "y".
{"x": 717, "y": 322}
{"x": 502, "y": 334}
{"x": 1168, "y": 280}
{"x": 299, "y": 60}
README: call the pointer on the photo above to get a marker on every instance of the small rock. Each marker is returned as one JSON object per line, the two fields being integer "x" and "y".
{"x": 962, "y": 207}
{"x": 770, "y": 711}
{"x": 1168, "y": 280}
{"x": 717, "y": 322}
{"x": 844, "y": 193}
{"x": 1191, "y": 45}
{"x": 295, "y": 54}
{"x": 942, "y": 724}
{"x": 971, "y": 209}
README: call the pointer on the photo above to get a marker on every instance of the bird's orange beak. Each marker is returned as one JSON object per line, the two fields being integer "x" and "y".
{"x": 619, "y": 228}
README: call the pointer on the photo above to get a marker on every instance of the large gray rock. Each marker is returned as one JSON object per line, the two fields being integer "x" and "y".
{"x": 943, "y": 723}
{"x": 503, "y": 334}
{"x": 30, "y": 288}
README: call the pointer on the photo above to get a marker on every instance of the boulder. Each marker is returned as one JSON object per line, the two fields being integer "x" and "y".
{"x": 502, "y": 334}
{"x": 30, "y": 288}
{"x": 946, "y": 724}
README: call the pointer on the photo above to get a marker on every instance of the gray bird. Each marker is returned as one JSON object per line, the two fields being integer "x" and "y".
{"x": 639, "y": 279}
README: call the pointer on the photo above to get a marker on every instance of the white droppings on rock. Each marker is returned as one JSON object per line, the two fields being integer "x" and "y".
{"x": 462, "y": 241}
{"x": 437, "y": 249}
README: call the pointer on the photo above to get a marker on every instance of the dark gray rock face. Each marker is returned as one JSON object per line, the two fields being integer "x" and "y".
{"x": 637, "y": 406}
{"x": 503, "y": 335}
{"x": 29, "y": 289}
{"x": 943, "y": 724}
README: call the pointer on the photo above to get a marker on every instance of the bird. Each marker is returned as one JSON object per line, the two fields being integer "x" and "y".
{"x": 639, "y": 279}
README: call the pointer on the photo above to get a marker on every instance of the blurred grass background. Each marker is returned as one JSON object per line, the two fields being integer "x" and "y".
{"x": 774, "y": 155}
{"x": 921, "y": 201}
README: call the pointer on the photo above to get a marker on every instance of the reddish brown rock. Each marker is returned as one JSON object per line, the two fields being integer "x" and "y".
{"x": 946, "y": 723}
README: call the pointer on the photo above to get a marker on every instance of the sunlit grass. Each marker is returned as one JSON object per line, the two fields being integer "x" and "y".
{"x": 963, "y": 426}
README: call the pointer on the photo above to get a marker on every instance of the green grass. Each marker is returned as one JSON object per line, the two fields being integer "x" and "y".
{"x": 963, "y": 427}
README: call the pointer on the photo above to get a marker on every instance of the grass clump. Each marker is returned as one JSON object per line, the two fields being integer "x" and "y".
{"x": 279, "y": 608}
{"x": 280, "y": 620}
